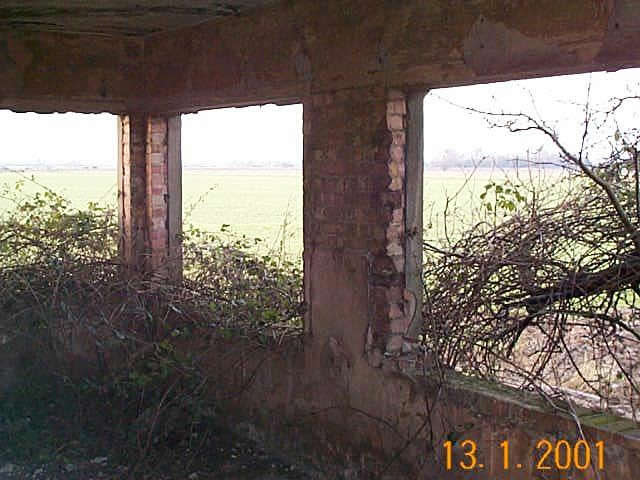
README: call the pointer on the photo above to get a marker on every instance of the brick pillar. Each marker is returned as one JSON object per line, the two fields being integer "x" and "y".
{"x": 354, "y": 221}
{"x": 132, "y": 190}
{"x": 150, "y": 194}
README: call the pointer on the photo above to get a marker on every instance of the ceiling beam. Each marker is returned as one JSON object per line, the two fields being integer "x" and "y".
{"x": 48, "y": 72}
{"x": 285, "y": 52}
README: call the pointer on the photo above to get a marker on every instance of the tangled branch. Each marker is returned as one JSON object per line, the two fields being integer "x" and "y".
{"x": 547, "y": 296}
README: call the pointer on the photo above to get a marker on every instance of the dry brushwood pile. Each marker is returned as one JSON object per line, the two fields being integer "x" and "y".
{"x": 543, "y": 293}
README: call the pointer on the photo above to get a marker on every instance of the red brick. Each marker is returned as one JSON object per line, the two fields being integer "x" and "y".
{"x": 355, "y": 157}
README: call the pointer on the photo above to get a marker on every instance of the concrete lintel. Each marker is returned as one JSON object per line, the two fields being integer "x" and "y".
{"x": 295, "y": 49}
{"x": 307, "y": 47}
{"x": 58, "y": 72}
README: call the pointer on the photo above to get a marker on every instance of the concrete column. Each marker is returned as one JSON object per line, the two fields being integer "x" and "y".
{"x": 355, "y": 196}
{"x": 414, "y": 185}
{"x": 150, "y": 195}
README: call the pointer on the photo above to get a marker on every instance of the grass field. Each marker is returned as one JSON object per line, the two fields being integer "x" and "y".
{"x": 255, "y": 203}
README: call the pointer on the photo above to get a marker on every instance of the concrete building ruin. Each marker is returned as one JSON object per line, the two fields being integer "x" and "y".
{"x": 360, "y": 68}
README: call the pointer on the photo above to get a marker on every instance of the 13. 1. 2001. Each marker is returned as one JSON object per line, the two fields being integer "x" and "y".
{"x": 549, "y": 455}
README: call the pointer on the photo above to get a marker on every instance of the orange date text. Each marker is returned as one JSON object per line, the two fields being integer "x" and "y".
{"x": 548, "y": 455}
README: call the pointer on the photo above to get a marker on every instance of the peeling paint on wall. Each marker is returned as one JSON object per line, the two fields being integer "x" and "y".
{"x": 491, "y": 48}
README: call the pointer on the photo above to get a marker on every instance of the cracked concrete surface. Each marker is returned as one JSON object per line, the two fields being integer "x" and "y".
{"x": 116, "y": 16}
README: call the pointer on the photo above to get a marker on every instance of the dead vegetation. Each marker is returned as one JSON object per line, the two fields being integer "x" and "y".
{"x": 543, "y": 292}
{"x": 127, "y": 351}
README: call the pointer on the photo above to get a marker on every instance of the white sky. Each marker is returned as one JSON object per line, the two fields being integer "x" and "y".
{"x": 557, "y": 100}
{"x": 54, "y": 139}
{"x": 261, "y": 135}
{"x": 271, "y": 134}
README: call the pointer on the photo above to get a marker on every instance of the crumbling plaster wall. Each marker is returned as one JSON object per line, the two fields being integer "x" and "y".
{"x": 354, "y": 221}
{"x": 297, "y": 48}
{"x": 46, "y": 72}
{"x": 356, "y": 421}
{"x": 306, "y": 47}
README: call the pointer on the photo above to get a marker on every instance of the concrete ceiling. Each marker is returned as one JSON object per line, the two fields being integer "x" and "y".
{"x": 128, "y": 17}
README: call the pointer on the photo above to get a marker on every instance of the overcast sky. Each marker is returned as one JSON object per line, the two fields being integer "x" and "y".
{"x": 559, "y": 101}
{"x": 269, "y": 135}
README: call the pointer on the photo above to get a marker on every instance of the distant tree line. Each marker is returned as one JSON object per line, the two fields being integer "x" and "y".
{"x": 454, "y": 159}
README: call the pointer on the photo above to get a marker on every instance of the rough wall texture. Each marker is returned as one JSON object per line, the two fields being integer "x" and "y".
{"x": 354, "y": 378}
{"x": 132, "y": 191}
{"x": 116, "y": 16}
{"x": 288, "y": 51}
{"x": 383, "y": 424}
{"x": 158, "y": 192}
{"x": 149, "y": 194}
{"x": 297, "y": 48}
{"x": 47, "y": 72}
{"x": 354, "y": 162}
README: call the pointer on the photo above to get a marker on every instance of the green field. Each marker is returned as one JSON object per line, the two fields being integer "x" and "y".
{"x": 255, "y": 203}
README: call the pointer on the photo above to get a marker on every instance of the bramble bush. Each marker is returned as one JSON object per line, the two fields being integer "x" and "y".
{"x": 64, "y": 290}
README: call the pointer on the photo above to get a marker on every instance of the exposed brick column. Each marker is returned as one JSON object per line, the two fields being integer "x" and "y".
{"x": 150, "y": 195}
{"x": 132, "y": 191}
{"x": 354, "y": 213}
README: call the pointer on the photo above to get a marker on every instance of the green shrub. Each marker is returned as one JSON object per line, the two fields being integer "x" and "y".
{"x": 62, "y": 286}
